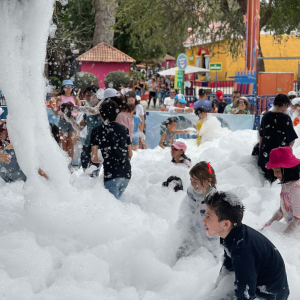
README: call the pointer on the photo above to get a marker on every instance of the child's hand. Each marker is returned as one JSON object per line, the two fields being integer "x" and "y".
{"x": 5, "y": 157}
{"x": 242, "y": 106}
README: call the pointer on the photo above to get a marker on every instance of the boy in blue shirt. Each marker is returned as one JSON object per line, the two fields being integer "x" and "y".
{"x": 258, "y": 266}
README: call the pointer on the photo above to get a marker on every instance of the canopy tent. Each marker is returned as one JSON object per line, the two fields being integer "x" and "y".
{"x": 188, "y": 70}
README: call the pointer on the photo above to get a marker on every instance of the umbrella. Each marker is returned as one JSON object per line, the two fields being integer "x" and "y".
{"x": 188, "y": 70}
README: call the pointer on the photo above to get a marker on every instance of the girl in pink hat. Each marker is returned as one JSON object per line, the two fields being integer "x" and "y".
{"x": 286, "y": 168}
{"x": 177, "y": 152}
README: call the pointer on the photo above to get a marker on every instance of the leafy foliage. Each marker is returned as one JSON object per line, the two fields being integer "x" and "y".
{"x": 84, "y": 80}
{"x": 116, "y": 80}
{"x": 55, "y": 82}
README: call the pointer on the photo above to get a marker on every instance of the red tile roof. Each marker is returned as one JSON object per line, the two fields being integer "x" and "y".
{"x": 105, "y": 53}
{"x": 169, "y": 57}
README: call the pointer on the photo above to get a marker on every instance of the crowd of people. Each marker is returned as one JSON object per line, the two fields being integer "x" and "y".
{"x": 114, "y": 124}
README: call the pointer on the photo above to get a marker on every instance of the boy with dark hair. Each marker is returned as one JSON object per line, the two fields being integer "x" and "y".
{"x": 276, "y": 130}
{"x": 113, "y": 140}
{"x": 258, "y": 266}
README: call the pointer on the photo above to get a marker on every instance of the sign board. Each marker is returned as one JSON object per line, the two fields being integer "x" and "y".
{"x": 215, "y": 67}
{"x": 182, "y": 61}
{"x": 178, "y": 79}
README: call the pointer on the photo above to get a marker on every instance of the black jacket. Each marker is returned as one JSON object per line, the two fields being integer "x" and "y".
{"x": 258, "y": 266}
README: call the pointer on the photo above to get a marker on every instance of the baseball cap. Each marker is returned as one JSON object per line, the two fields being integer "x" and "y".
{"x": 110, "y": 93}
{"x": 179, "y": 146}
{"x": 180, "y": 98}
{"x": 67, "y": 82}
{"x": 292, "y": 93}
{"x": 296, "y": 101}
{"x": 220, "y": 95}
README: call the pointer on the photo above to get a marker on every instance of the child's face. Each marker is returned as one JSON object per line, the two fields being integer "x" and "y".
{"x": 131, "y": 100}
{"x": 277, "y": 173}
{"x": 203, "y": 115}
{"x": 199, "y": 187}
{"x": 176, "y": 152}
{"x": 211, "y": 223}
{"x": 172, "y": 127}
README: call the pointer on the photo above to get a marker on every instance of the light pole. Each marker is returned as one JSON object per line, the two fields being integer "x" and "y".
{"x": 75, "y": 52}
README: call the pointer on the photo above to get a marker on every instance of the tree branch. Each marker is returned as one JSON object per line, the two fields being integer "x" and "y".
{"x": 267, "y": 15}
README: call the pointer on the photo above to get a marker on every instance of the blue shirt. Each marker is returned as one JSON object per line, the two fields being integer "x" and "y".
{"x": 137, "y": 120}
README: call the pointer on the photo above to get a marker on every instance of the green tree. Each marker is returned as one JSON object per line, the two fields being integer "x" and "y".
{"x": 165, "y": 22}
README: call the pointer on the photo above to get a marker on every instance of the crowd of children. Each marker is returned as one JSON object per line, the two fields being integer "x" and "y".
{"x": 208, "y": 217}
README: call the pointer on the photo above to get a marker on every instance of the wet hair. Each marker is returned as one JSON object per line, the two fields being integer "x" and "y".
{"x": 227, "y": 206}
{"x": 109, "y": 110}
{"x": 201, "y": 172}
{"x": 169, "y": 121}
{"x": 178, "y": 185}
{"x": 93, "y": 89}
{"x": 201, "y": 92}
{"x": 182, "y": 158}
{"x": 121, "y": 102}
{"x": 281, "y": 100}
{"x": 290, "y": 174}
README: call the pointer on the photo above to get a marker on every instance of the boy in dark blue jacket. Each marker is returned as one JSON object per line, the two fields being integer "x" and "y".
{"x": 258, "y": 266}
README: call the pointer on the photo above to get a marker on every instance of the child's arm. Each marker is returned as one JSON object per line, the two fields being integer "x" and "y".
{"x": 129, "y": 151}
{"x": 293, "y": 226}
{"x": 162, "y": 139}
{"x": 94, "y": 157}
{"x": 55, "y": 108}
{"x": 77, "y": 101}
{"x": 276, "y": 217}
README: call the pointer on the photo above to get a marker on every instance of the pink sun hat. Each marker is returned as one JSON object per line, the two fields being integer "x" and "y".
{"x": 180, "y": 146}
{"x": 282, "y": 157}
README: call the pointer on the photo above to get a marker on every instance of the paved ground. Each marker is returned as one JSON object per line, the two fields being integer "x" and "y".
{"x": 145, "y": 104}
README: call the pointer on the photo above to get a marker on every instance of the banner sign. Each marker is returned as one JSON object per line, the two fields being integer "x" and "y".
{"x": 215, "y": 67}
{"x": 155, "y": 126}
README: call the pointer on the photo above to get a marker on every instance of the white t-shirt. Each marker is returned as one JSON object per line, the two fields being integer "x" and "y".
{"x": 139, "y": 110}
{"x": 169, "y": 102}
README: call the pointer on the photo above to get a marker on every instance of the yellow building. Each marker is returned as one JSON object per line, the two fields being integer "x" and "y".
{"x": 200, "y": 54}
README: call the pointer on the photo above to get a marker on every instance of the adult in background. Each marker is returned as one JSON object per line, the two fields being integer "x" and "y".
{"x": 276, "y": 130}
{"x": 242, "y": 106}
{"x": 152, "y": 92}
{"x": 137, "y": 87}
{"x": 169, "y": 101}
{"x": 143, "y": 88}
{"x": 202, "y": 94}
{"x": 163, "y": 86}
{"x": 219, "y": 104}
{"x": 229, "y": 108}
{"x": 179, "y": 106}
{"x": 292, "y": 95}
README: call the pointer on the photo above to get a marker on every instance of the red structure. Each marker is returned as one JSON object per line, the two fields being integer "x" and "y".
{"x": 103, "y": 59}
{"x": 168, "y": 60}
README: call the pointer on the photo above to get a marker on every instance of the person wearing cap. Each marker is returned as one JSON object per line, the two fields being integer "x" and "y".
{"x": 201, "y": 109}
{"x": 65, "y": 103}
{"x": 91, "y": 119}
{"x": 169, "y": 101}
{"x": 286, "y": 168}
{"x": 276, "y": 130}
{"x": 291, "y": 95}
{"x": 178, "y": 150}
{"x": 180, "y": 105}
{"x": 219, "y": 104}
{"x": 242, "y": 106}
{"x": 295, "y": 108}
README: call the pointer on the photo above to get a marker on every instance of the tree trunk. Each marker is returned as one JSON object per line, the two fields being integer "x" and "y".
{"x": 104, "y": 20}
{"x": 260, "y": 62}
